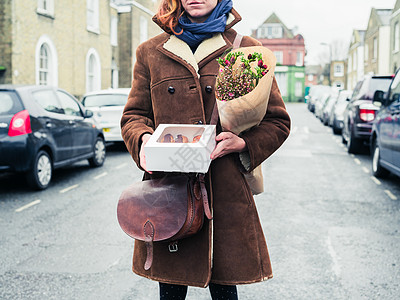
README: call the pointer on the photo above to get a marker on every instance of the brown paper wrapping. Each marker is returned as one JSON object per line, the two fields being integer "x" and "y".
{"x": 242, "y": 113}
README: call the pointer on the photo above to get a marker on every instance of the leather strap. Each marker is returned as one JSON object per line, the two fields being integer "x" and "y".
{"x": 148, "y": 229}
{"x": 237, "y": 41}
{"x": 204, "y": 196}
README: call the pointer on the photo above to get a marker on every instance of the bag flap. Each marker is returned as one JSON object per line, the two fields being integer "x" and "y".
{"x": 162, "y": 203}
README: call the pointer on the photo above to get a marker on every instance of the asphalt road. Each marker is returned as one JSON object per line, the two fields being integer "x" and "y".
{"x": 332, "y": 229}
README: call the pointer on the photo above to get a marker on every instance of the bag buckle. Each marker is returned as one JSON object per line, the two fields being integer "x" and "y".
{"x": 173, "y": 247}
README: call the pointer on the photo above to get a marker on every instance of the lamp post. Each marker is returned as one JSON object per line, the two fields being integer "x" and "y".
{"x": 330, "y": 61}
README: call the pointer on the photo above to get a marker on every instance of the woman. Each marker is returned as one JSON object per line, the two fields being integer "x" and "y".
{"x": 174, "y": 79}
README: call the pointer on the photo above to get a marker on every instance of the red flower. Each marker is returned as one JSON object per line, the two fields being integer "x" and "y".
{"x": 260, "y": 63}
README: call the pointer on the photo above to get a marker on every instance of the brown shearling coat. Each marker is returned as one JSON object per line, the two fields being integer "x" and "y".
{"x": 231, "y": 248}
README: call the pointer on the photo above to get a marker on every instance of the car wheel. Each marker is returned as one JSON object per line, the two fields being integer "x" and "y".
{"x": 40, "y": 175}
{"x": 335, "y": 129}
{"x": 377, "y": 169}
{"x": 99, "y": 156}
{"x": 353, "y": 144}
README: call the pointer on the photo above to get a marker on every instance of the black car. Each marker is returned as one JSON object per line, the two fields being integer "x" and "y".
{"x": 385, "y": 138}
{"x": 43, "y": 128}
{"x": 360, "y": 112}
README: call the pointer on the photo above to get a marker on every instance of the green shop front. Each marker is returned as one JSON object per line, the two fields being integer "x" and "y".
{"x": 291, "y": 82}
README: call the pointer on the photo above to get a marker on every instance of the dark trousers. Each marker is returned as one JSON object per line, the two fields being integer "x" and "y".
{"x": 217, "y": 291}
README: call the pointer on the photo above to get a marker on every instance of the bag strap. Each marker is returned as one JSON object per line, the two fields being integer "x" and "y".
{"x": 214, "y": 115}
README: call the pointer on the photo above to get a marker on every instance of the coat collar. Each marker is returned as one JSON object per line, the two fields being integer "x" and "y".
{"x": 209, "y": 49}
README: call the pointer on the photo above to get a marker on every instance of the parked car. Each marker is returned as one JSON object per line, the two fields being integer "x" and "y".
{"x": 327, "y": 108}
{"x": 107, "y": 106}
{"x": 360, "y": 112}
{"x": 336, "y": 116}
{"x": 385, "y": 137}
{"x": 316, "y": 92}
{"x": 43, "y": 128}
{"x": 322, "y": 99}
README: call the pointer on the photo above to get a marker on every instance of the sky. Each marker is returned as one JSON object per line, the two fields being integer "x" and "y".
{"x": 319, "y": 21}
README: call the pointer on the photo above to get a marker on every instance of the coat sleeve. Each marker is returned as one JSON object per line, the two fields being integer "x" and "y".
{"x": 269, "y": 135}
{"x": 137, "y": 118}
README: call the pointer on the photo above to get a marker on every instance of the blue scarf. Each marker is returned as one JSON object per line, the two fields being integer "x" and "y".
{"x": 194, "y": 33}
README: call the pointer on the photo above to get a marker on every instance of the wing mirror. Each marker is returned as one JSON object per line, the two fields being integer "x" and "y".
{"x": 88, "y": 113}
{"x": 378, "y": 99}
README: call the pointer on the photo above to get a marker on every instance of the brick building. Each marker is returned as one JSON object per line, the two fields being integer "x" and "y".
{"x": 289, "y": 49}
{"x": 377, "y": 41}
{"x": 395, "y": 38}
{"x": 77, "y": 45}
{"x": 355, "y": 61}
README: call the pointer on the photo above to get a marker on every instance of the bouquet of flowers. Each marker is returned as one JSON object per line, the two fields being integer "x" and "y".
{"x": 243, "y": 87}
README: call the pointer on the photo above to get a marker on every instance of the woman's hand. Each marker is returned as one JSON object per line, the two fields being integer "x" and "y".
{"x": 228, "y": 142}
{"x": 145, "y": 138}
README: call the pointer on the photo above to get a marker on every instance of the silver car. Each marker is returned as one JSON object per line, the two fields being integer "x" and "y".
{"x": 107, "y": 107}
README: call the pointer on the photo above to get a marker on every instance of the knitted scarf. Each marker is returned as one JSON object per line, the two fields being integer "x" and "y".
{"x": 194, "y": 33}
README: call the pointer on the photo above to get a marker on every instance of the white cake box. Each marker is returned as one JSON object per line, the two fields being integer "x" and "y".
{"x": 180, "y": 157}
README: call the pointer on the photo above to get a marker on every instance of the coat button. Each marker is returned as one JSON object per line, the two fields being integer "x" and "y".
{"x": 208, "y": 88}
{"x": 171, "y": 89}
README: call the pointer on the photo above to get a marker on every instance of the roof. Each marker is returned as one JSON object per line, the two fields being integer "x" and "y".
{"x": 274, "y": 19}
{"x": 384, "y": 16}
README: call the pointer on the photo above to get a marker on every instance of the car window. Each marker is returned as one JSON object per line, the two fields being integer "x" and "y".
{"x": 395, "y": 89}
{"x": 105, "y": 100}
{"x": 9, "y": 103}
{"x": 378, "y": 84}
{"x": 69, "y": 105}
{"x": 48, "y": 100}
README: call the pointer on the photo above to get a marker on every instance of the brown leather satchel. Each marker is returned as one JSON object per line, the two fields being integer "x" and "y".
{"x": 166, "y": 209}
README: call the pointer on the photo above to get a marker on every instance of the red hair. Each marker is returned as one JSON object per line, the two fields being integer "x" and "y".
{"x": 168, "y": 15}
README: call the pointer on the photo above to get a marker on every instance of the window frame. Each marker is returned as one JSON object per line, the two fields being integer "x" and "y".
{"x": 45, "y": 8}
{"x": 92, "y": 16}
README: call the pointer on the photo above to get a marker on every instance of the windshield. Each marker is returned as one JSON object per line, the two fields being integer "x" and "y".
{"x": 105, "y": 100}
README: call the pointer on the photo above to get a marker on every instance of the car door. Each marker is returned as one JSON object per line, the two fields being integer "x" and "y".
{"x": 81, "y": 129}
{"x": 394, "y": 118}
{"x": 55, "y": 123}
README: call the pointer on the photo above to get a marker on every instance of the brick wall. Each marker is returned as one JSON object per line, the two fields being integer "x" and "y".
{"x": 5, "y": 41}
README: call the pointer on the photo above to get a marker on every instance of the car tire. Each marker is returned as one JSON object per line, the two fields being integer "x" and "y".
{"x": 336, "y": 130}
{"x": 353, "y": 144}
{"x": 99, "y": 153}
{"x": 377, "y": 169}
{"x": 40, "y": 175}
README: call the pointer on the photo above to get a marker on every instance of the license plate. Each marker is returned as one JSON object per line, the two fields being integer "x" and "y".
{"x": 106, "y": 129}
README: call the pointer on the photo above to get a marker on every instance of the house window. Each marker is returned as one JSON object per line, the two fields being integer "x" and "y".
{"x": 299, "y": 58}
{"x": 92, "y": 14}
{"x": 396, "y": 37}
{"x": 43, "y": 65}
{"x": 279, "y": 57}
{"x": 143, "y": 29}
{"x": 375, "y": 48}
{"x": 298, "y": 92}
{"x": 46, "y": 62}
{"x": 93, "y": 71}
{"x": 46, "y": 7}
{"x": 310, "y": 77}
{"x": 114, "y": 31}
{"x": 338, "y": 70}
{"x": 114, "y": 74}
